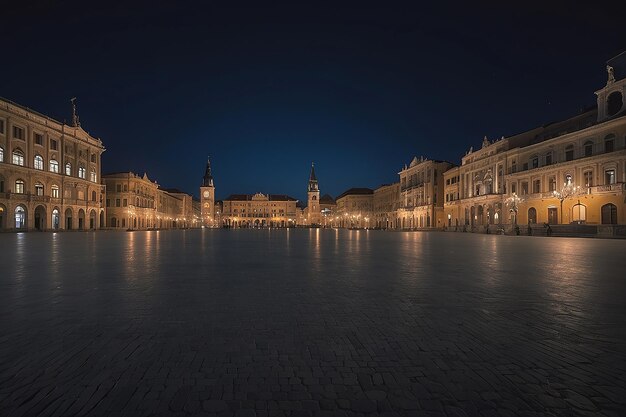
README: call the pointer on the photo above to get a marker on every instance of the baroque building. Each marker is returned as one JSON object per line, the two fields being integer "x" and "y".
{"x": 385, "y": 205}
{"x": 571, "y": 171}
{"x": 355, "y": 208}
{"x": 135, "y": 202}
{"x": 259, "y": 211}
{"x": 49, "y": 172}
{"x": 421, "y": 194}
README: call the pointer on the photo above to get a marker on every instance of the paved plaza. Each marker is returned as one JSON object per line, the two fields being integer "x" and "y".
{"x": 311, "y": 323}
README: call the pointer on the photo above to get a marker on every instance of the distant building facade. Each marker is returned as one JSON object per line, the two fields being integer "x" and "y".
{"x": 355, "y": 208}
{"x": 421, "y": 194}
{"x": 259, "y": 211}
{"x": 135, "y": 202}
{"x": 385, "y": 205}
{"x": 49, "y": 173}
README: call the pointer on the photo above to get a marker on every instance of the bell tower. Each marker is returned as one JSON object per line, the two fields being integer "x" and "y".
{"x": 313, "y": 203}
{"x": 207, "y": 197}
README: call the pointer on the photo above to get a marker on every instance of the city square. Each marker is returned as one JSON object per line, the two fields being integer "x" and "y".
{"x": 310, "y": 322}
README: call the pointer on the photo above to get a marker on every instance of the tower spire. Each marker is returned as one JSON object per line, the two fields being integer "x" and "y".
{"x": 207, "y": 180}
{"x": 312, "y": 179}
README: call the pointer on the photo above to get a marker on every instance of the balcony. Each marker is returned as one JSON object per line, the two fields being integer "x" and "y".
{"x": 609, "y": 188}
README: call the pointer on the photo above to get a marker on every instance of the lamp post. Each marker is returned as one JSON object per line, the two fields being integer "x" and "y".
{"x": 514, "y": 202}
{"x": 568, "y": 190}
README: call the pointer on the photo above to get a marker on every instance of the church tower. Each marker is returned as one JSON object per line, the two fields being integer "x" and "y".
{"x": 313, "y": 206}
{"x": 207, "y": 197}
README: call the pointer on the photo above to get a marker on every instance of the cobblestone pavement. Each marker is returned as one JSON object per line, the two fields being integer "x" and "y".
{"x": 311, "y": 323}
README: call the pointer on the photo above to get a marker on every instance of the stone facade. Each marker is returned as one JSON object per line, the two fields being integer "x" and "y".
{"x": 355, "y": 209}
{"x": 421, "y": 194}
{"x": 572, "y": 171}
{"x": 49, "y": 173}
{"x": 385, "y": 205}
{"x": 135, "y": 202}
{"x": 259, "y": 210}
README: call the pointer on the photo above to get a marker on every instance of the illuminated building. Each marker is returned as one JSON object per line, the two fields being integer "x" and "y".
{"x": 49, "y": 172}
{"x": 259, "y": 210}
{"x": 355, "y": 208}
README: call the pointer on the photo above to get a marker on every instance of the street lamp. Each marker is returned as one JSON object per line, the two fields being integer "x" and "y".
{"x": 568, "y": 190}
{"x": 514, "y": 202}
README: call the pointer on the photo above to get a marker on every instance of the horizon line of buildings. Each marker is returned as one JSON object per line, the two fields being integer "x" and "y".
{"x": 573, "y": 171}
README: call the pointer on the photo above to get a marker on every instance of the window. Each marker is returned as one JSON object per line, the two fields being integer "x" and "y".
{"x": 118, "y": 188}
{"x": 609, "y": 176}
{"x": 579, "y": 213}
{"x": 125, "y": 203}
{"x": 18, "y": 133}
{"x": 536, "y": 186}
{"x": 20, "y": 217}
{"x": 513, "y": 167}
{"x": 549, "y": 158}
{"x": 569, "y": 152}
{"x": 54, "y": 191}
{"x": 38, "y": 139}
{"x": 524, "y": 188}
{"x": 125, "y": 187}
{"x": 588, "y": 148}
{"x": 1, "y": 155}
{"x": 117, "y": 202}
{"x": 588, "y": 178}
{"x": 38, "y": 162}
{"x": 93, "y": 196}
{"x": 19, "y": 187}
{"x": 39, "y": 189}
{"x": 93, "y": 157}
{"x": 513, "y": 188}
{"x": 54, "y": 166}
{"x": 18, "y": 157}
{"x": 68, "y": 169}
{"x": 54, "y": 144}
{"x": 568, "y": 179}
{"x": 92, "y": 176}
{"x": 609, "y": 143}
{"x": 534, "y": 162}
{"x": 2, "y": 126}
{"x": 552, "y": 184}
{"x": 82, "y": 172}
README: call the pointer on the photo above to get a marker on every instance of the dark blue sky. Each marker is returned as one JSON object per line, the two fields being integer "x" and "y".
{"x": 266, "y": 90}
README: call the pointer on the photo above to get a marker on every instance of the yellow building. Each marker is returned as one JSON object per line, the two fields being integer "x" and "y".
{"x": 421, "y": 194}
{"x": 355, "y": 208}
{"x": 49, "y": 172}
{"x": 385, "y": 205}
{"x": 259, "y": 210}
{"x": 135, "y": 202}
{"x": 572, "y": 171}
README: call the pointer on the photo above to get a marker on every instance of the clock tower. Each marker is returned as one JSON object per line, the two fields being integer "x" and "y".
{"x": 313, "y": 203}
{"x": 207, "y": 197}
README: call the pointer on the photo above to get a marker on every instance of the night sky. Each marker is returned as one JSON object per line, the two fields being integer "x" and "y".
{"x": 266, "y": 90}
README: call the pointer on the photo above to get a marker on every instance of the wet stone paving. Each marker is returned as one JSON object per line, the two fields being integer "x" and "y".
{"x": 311, "y": 323}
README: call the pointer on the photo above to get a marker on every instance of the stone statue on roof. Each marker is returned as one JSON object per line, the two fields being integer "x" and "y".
{"x": 611, "y": 73}
{"x": 485, "y": 142}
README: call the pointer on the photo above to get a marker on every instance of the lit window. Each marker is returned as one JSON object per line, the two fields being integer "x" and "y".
{"x": 18, "y": 158}
{"x": 38, "y": 162}
{"x": 54, "y": 166}
{"x": 609, "y": 176}
{"x": 82, "y": 172}
{"x": 68, "y": 169}
{"x": 39, "y": 189}
{"x": 93, "y": 175}
{"x": 19, "y": 187}
{"x": 55, "y": 191}
{"x": 20, "y": 217}
{"x": 588, "y": 178}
